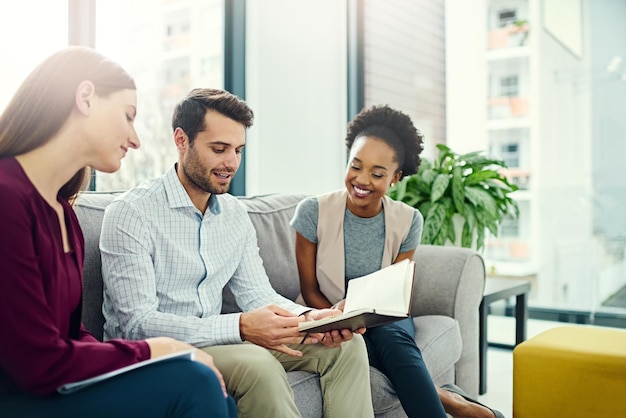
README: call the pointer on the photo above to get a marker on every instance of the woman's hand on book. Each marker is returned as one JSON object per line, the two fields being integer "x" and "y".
{"x": 332, "y": 338}
{"x": 339, "y": 305}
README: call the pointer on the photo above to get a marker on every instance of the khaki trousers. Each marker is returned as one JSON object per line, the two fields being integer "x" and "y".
{"x": 257, "y": 379}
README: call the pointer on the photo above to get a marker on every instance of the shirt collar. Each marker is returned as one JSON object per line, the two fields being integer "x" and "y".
{"x": 178, "y": 197}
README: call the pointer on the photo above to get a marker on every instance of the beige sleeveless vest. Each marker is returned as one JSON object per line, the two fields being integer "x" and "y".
{"x": 330, "y": 247}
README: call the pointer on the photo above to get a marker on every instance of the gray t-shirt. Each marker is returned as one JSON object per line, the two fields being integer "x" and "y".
{"x": 364, "y": 238}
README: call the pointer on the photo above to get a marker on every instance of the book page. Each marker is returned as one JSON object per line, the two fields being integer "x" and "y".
{"x": 74, "y": 386}
{"x": 388, "y": 289}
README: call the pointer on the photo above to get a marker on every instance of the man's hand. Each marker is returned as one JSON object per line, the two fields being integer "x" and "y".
{"x": 272, "y": 327}
{"x": 332, "y": 338}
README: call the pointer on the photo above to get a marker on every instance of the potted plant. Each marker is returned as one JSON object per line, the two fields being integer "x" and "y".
{"x": 467, "y": 189}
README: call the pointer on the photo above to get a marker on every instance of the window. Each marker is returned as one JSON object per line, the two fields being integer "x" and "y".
{"x": 169, "y": 48}
{"x": 507, "y": 17}
{"x": 510, "y": 154}
{"x": 509, "y": 228}
{"x": 509, "y": 86}
{"x": 17, "y": 21}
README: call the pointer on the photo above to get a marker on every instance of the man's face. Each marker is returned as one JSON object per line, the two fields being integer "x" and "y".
{"x": 212, "y": 159}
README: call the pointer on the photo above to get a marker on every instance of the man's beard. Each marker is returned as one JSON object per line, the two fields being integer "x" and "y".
{"x": 197, "y": 175}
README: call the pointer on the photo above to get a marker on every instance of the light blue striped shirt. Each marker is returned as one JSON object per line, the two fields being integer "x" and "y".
{"x": 164, "y": 265}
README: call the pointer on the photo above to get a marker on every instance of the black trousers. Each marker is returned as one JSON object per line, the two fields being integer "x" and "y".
{"x": 392, "y": 350}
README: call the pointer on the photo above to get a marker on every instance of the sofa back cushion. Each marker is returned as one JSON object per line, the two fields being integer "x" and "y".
{"x": 270, "y": 215}
{"x": 89, "y": 208}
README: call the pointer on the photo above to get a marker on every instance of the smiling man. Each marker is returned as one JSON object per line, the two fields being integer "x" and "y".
{"x": 170, "y": 245}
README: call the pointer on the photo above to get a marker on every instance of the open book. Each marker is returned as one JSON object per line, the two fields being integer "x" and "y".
{"x": 74, "y": 386}
{"x": 372, "y": 300}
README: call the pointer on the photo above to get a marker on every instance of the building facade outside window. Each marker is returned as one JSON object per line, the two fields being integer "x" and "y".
{"x": 169, "y": 47}
{"x": 22, "y": 48}
{"x": 544, "y": 91}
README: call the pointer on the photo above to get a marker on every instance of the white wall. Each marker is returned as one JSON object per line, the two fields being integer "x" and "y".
{"x": 564, "y": 20}
{"x": 296, "y": 83}
{"x": 466, "y": 85}
{"x": 562, "y": 175}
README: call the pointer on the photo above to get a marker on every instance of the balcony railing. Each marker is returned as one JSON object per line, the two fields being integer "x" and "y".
{"x": 509, "y": 37}
{"x": 504, "y": 107}
{"x": 507, "y": 249}
{"x": 174, "y": 42}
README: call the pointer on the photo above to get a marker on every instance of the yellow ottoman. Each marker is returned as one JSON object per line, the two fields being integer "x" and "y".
{"x": 571, "y": 372}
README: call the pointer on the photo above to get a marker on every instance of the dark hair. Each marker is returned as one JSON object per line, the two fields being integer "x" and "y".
{"x": 189, "y": 113}
{"x": 393, "y": 127}
{"x": 45, "y": 99}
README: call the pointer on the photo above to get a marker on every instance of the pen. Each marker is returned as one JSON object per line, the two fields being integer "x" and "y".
{"x": 307, "y": 334}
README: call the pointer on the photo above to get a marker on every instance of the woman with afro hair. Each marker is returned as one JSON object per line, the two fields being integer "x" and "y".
{"x": 384, "y": 146}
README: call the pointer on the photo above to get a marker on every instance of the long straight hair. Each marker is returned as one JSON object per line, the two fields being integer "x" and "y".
{"x": 45, "y": 99}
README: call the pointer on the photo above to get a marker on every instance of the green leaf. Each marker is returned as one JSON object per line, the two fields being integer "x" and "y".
{"x": 467, "y": 235}
{"x": 480, "y": 197}
{"x": 444, "y": 153}
{"x": 458, "y": 190}
{"x": 483, "y": 218}
{"x": 434, "y": 219}
{"x": 427, "y": 177}
{"x": 480, "y": 176}
{"x": 451, "y": 231}
{"x": 439, "y": 187}
{"x": 502, "y": 182}
{"x": 481, "y": 162}
{"x": 493, "y": 228}
{"x": 470, "y": 216}
{"x": 424, "y": 207}
{"x": 471, "y": 185}
{"x": 442, "y": 235}
{"x": 480, "y": 238}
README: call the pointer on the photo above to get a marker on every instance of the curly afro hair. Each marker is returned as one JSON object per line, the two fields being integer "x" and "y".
{"x": 395, "y": 128}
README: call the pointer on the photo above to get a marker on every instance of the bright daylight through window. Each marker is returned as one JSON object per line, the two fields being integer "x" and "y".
{"x": 541, "y": 87}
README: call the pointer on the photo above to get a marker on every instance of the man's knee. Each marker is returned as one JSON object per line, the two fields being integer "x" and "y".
{"x": 357, "y": 349}
{"x": 246, "y": 364}
{"x": 257, "y": 381}
{"x": 353, "y": 353}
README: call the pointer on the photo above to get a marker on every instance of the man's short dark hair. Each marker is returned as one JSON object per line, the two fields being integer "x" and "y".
{"x": 190, "y": 112}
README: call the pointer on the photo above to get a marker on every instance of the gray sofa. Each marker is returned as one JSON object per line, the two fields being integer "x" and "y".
{"x": 445, "y": 301}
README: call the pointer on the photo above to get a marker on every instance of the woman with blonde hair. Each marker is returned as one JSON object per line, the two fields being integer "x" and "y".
{"x": 74, "y": 111}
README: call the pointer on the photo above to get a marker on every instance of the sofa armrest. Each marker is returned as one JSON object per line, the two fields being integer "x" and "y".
{"x": 450, "y": 281}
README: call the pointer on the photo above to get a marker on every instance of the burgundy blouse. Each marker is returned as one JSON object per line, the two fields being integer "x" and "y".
{"x": 43, "y": 343}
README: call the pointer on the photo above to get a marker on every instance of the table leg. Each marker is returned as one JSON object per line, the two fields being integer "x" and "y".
{"x": 482, "y": 348}
{"x": 521, "y": 317}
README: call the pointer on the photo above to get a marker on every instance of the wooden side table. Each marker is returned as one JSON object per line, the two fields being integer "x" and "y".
{"x": 499, "y": 289}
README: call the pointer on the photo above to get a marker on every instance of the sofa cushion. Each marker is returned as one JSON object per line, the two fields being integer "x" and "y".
{"x": 90, "y": 209}
{"x": 439, "y": 339}
{"x": 270, "y": 215}
{"x": 307, "y": 392}
{"x": 438, "y": 336}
